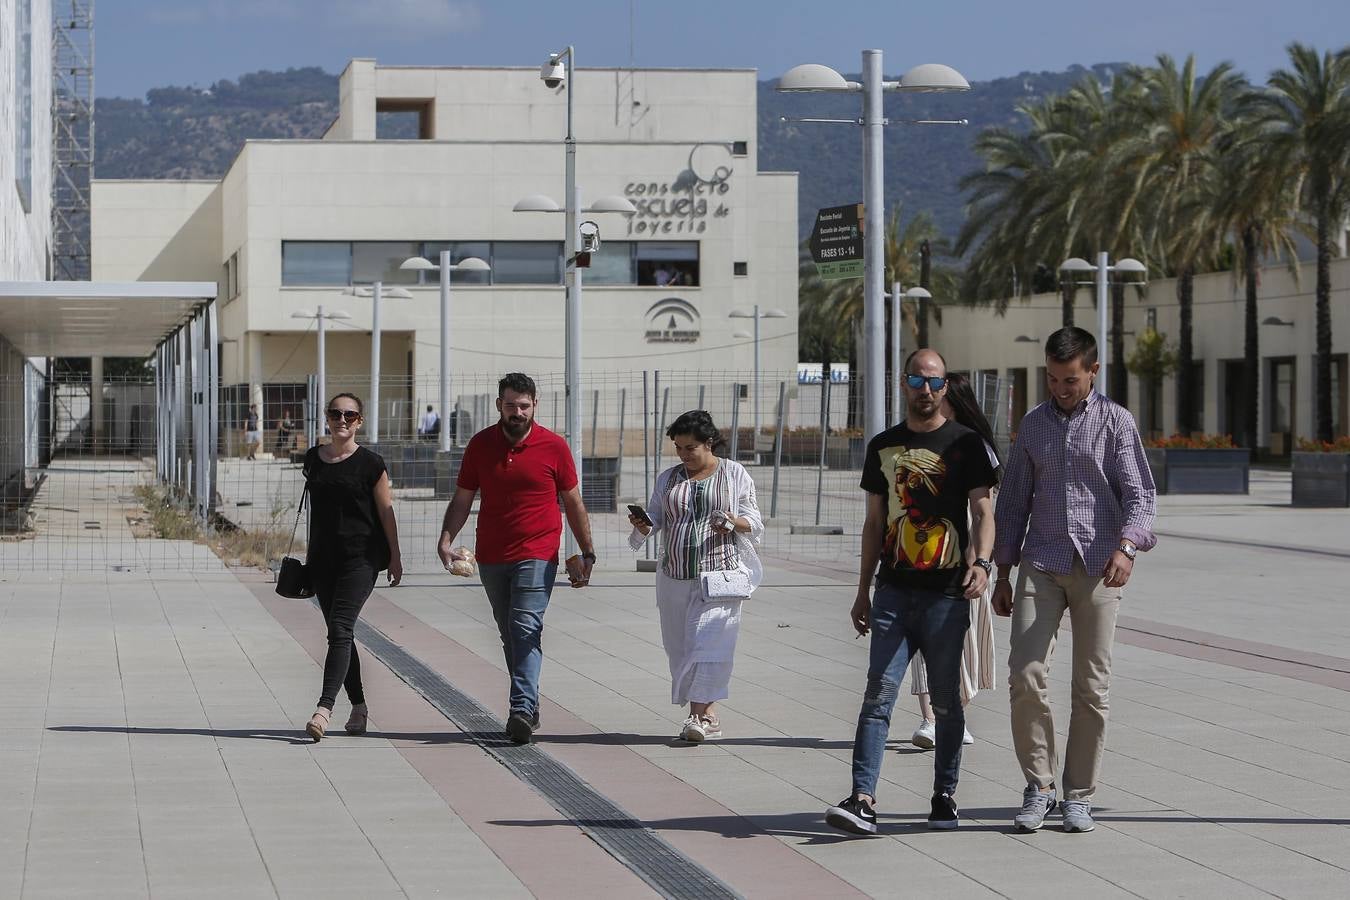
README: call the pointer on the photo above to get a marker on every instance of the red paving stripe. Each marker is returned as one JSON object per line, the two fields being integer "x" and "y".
{"x": 756, "y": 863}
{"x": 550, "y": 862}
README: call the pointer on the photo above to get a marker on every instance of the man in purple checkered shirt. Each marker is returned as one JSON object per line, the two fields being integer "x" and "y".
{"x": 1076, "y": 504}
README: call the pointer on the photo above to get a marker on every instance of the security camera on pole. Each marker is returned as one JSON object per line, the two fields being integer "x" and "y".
{"x": 579, "y": 242}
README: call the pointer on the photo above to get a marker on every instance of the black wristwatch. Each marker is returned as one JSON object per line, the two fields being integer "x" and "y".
{"x": 986, "y": 565}
{"x": 589, "y": 556}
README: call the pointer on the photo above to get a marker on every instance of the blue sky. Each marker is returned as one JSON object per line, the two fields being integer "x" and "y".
{"x": 153, "y": 43}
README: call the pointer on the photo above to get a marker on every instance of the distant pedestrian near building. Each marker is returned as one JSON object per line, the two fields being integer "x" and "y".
{"x": 1076, "y": 504}
{"x": 252, "y": 434}
{"x": 429, "y": 425}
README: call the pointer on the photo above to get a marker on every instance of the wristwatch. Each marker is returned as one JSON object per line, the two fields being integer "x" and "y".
{"x": 589, "y": 556}
{"x": 986, "y": 565}
{"x": 1129, "y": 549}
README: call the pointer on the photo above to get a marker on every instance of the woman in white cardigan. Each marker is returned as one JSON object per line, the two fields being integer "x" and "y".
{"x": 705, "y": 507}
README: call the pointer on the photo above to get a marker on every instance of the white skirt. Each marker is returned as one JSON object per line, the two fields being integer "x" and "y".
{"x": 977, "y": 657}
{"x": 700, "y": 640}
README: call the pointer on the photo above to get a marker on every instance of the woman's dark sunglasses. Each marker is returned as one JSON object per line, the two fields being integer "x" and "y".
{"x": 935, "y": 382}
{"x": 347, "y": 415}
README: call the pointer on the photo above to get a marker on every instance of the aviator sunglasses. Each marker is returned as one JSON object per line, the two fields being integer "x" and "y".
{"x": 935, "y": 382}
{"x": 346, "y": 415}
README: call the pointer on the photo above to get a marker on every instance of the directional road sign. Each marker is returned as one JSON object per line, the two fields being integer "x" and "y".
{"x": 837, "y": 242}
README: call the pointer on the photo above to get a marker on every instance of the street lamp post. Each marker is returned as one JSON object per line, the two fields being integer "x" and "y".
{"x": 757, "y": 315}
{"x": 926, "y": 78}
{"x": 377, "y": 293}
{"x": 422, "y": 264}
{"x": 1077, "y": 266}
{"x": 320, "y": 315}
{"x": 557, "y": 72}
{"x": 897, "y": 345}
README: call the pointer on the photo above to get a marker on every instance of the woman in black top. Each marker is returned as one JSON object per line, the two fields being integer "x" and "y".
{"x": 352, "y": 536}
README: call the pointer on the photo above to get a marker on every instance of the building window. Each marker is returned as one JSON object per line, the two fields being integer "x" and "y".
{"x": 740, "y": 148}
{"x": 667, "y": 263}
{"x": 740, "y": 268}
{"x": 459, "y": 251}
{"x": 23, "y": 102}
{"x": 380, "y": 260}
{"x": 526, "y": 262}
{"x": 316, "y": 263}
{"x": 613, "y": 264}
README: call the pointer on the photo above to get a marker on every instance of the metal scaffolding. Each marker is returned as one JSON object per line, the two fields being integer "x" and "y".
{"x": 72, "y": 137}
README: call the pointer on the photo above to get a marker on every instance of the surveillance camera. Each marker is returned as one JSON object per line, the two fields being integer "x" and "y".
{"x": 553, "y": 73}
{"x": 590, "y": 237}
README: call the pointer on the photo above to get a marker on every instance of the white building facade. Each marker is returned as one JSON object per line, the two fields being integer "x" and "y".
{"x": 297, "y": 224}
{"x": 1012, "y": 346}
{"x": 25, "y": 203}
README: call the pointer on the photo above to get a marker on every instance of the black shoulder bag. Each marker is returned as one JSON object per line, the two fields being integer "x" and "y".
{"x": 293, "y": 576}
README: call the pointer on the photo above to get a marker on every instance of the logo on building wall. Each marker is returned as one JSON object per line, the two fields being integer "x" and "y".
{"x": 672, "y": 321}
{"x": 682, "y": 206}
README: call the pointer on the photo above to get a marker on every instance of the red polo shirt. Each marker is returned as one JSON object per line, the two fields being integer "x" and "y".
{"x": 518, "y": 513}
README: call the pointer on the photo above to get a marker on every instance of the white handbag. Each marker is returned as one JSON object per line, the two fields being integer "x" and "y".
{"x": 729, "y": 584}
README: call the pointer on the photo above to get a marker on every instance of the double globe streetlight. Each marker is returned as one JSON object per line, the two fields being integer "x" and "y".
{"x": 1077, "y": 266}
{"x": 445, "y": 268}
{"x": 926, "y": 78}
{"x": 320, "y": 316}
{"x": 756, "y": 315}
{"x": 377, "y": 292}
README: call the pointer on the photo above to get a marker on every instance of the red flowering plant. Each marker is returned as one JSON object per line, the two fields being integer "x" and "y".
{"x": 1194, "y": 441}
{"x": 1340, "y": 445}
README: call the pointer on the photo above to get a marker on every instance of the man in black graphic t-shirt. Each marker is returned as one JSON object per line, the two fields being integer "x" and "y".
{"x": 921, "y": 477}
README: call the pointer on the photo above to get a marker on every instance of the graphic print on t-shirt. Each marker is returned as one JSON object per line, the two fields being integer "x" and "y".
{"x": 916, "y": 537}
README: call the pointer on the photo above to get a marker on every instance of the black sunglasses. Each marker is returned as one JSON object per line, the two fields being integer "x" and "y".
{"x": 347, "y": 415}
{"x": 935, "y": 382}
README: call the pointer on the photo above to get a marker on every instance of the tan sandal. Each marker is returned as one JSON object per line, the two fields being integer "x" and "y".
{"x": 356, "y": 723}
{"x": 318, "y": 723}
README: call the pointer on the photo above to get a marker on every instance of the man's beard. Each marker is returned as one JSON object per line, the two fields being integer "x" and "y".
{"x": 919, "y": 409}
{"x": 516, "y": 427}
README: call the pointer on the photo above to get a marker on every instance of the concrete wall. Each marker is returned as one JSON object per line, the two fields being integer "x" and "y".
{"x": 177, "y": 233}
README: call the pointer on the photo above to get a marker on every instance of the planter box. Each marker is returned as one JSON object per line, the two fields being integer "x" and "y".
{"x": 1210, "y": 471}
{"x": 1321, "y": 479}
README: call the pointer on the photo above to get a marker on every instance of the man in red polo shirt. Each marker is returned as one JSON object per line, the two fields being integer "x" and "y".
{"x": 522, "y": 469}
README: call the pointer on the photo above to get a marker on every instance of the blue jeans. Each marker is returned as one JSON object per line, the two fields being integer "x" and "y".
{"x": 519, "y": 593}
{"x": 906, "y": 619}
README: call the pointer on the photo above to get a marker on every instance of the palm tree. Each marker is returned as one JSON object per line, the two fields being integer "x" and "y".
{"x": 1251, "y": 198}
{"x": 1181, "y": 121}
{"x": 1305, "y": 117}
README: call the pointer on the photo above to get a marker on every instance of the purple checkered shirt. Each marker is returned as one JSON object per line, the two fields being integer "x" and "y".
{"x": 1082, "y": 482}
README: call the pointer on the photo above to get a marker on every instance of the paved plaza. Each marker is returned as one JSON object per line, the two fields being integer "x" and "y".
{"x": 151, "y": 738}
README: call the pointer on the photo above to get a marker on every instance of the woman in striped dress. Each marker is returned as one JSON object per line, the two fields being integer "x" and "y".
{"x": 705, "y": 507}
{"x": 977, "y": 658}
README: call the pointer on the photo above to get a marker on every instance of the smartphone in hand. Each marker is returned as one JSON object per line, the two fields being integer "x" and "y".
{"x": 641, "y": 514}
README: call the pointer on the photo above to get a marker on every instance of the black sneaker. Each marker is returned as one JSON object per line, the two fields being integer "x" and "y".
{"x": 520, "y": 728}
{"x": 944, "y": 816}
{"x": 852, "y": 815}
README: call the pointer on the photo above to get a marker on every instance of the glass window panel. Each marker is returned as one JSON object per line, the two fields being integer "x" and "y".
{"x": 380, "y": 260}
{"x": 667, "y": 263}
{"x": 316, "y": 262}
{"x": 527, "y": 262}
{"x": 459, "y": 251}
{"x": 612, "y": 264}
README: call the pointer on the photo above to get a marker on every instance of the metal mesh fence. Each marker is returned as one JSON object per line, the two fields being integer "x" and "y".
{"x": 87, "y": 496}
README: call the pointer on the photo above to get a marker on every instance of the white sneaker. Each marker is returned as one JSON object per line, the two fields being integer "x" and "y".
{"x": 693, "y": 730}
{"x": 967, "y": 738}
{"x": 925, "y": 736}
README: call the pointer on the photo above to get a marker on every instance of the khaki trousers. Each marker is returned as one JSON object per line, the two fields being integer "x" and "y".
{"x": 1042, "y": 598}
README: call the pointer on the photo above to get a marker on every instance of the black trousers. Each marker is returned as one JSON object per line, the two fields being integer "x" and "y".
{"x": 342, "y": 589}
